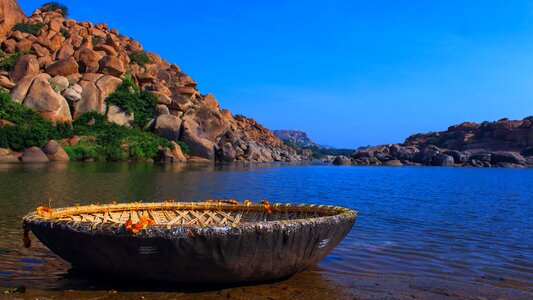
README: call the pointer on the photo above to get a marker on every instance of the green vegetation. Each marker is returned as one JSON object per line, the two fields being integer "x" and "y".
{"x": 139, "y": 57}
{"x": 96, "y": 41}
{"x": 55, "y": 6}
{"x": 64, "y": 33}
{"x": 99, "y": 139}
{"x": 237, "y": 116}
{"x": 129, "y": 99}
{"x": 318, "y": 152}
{"x": 81, "y": 153}
{"x": 7, "y": 62}
{"x": 183, "y": 146}
{"x": 30, "y": 128}
{"x": 29, "y": 27}
{"x": 114, "y": 142}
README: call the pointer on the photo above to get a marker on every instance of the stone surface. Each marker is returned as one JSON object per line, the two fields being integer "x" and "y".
{"x": 178, "y": 154}
{"x": 55, "y": 152}
{"x": 10, "y": 14}
{"x": 342, "y": 160}
{"x": 111, "y": 65}
{"x": 168, "y": 127}
{"x": 33, "y": 155}
{"x": 63, "y": 67}
{"x": 118, "y": 116}
{"x": 27, "y": 65}
{"x": 47, "y": 102}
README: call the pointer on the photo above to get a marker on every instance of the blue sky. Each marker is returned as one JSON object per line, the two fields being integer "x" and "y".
{"x": 349, "y": 73}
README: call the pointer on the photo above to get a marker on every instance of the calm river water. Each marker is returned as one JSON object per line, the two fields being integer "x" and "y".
{"x": 422, "y": 232}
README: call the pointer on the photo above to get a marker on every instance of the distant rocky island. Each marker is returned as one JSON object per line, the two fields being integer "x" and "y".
{"x": 503, "y": 143}
{"x": 89, "y": 91}
{"x": 306, "y": 148}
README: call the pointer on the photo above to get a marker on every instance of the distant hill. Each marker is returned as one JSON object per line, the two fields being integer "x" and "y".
{"x": 300, "y": 141}
{"x": 297, "y": 137}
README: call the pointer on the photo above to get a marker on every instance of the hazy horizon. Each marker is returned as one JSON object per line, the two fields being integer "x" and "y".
{"x": 347, "y": 73}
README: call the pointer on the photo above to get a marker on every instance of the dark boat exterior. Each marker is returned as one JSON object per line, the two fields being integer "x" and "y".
{"x": 193, "y": 242}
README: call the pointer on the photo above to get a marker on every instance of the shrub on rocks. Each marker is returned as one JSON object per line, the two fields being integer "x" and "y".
{"x": 142, "y": 104}
{"x": 53, "y": 5}
{"x": 139, "y": 57}
{"x": 7, "y": 62}
{"x": 31, "y": 28}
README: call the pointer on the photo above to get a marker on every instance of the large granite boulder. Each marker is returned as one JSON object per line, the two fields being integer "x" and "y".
{"x": 33, "y": 155}
{"x": 507, "y": 157}
{"x": 55, "y": 152}
{"x": 342, "y": 160}
{"x": 27, "y": 65}
{"x": 440, "y": 159}
{"x": 198, "y": 144}
{"x": 168, "y": 126}
{"x": 47, "y": 102}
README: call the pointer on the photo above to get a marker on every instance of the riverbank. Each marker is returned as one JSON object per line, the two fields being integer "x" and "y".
{"x": 310, "y": 284}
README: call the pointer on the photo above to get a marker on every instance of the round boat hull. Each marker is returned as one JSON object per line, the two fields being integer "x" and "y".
{"x": 252, "y": 252}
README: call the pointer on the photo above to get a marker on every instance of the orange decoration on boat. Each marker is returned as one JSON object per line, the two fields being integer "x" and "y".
{"x": 267, "y": 206}
{"x": 42, "y": 210}
{"x": 142, "y": 223}
{"x": 113, "y": 202}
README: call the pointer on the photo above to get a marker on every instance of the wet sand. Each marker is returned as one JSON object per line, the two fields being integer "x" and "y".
{"x": 311, "y": 284}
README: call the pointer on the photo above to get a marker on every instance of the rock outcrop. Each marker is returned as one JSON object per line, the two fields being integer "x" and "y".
{"x": 10, "y": 14}
{"x": 73, "y": 66}
{"x": 297, "y": 137}
{"x": 503, "y": 143}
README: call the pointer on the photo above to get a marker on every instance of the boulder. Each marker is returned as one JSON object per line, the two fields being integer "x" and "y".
{"x": 63, "y": 67}
{"x": 178, "y": 154}
{"x": 111, "y": 65}
{"x": 33, "y": 155}
{"x": 65, "y": 52}
{"x": 27, "y": 65}
{"x": 59, "y": 83}
{"x": 164, "y": 155}
{"x": 118, "y": 116}
{"x": 168, "y": 126}
{"x": 55, "y": 152}
{"x": 6, "y": 156}
{"x": 90, "y": 99}
{"x": 72, "y": 94}
{"x": 107, "y": 85}
{"x": 10, "y": 14}
{"x": 458, "y": 156}
{"x": 198, "y": 145}
{"x": 392, "y": 162}
{"x": 226, "y": 153}
{"x": 425, "y": 156}
{"x": 162, "y": 110}
{"x": 440, "y": 159}
{"x": 6, "y": 83}
{"x": 342, "y": 160}
{"x": 47, "y": 102}
{"x": 88, "y": 61}
{"x": 507, "y": 157}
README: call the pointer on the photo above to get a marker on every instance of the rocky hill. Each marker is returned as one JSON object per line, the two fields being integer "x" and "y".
{"x": 504, "y": 143}
{"x": 297, "y": 137}
{"x": 63, "y": 69}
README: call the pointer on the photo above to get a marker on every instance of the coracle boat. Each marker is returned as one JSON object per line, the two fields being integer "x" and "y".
{"x": 217, "y": 241}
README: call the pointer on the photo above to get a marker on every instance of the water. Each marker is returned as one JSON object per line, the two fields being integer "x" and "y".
{"x": 421, "y": 231}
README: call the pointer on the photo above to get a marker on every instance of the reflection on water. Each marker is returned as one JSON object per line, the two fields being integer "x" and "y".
{"x": 470, "y": 230}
